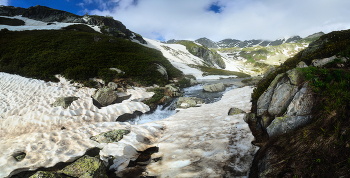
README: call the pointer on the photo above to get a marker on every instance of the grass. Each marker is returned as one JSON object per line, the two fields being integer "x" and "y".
{"x": 75, "y": 55}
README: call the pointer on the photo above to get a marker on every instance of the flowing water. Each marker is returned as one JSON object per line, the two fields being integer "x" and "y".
{"x": 165, "y": 111}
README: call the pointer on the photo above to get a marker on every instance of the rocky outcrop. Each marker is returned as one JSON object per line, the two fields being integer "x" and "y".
{"x": 46, "y": 14}
{"x": 112, "y": 85}
{"x": 64, "y": 101}
{"x": 214, "y": 87}
{"x": 193, "y": 82}
{"x": 324, "y": 61}
{"x": 105, "y": 96}
{"x": 186, "y": 102}
{"x": 11, "y": 11}
{"x": 301, "y": 64}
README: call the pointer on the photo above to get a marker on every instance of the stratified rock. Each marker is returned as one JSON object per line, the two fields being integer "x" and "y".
{"x": 301, "y": 64}
{"x": 105, "y": 96}
{"x": 282, "y": 96}
{"x": 235, "y": 111}
{"x": 265, "y": 99}
{"x": 301, "y": 103}
{"x": 86, "y": 167}
{"x": 64, "y": 101}
{"x": 214, "y": 87}
{"x": 162, "y": 70}
{"x": 186, "y": 102}
{"x": 286, "y": 124}
{"x": 112, "y": 85}
{"x": 294, "y": 76}
{"x": 111, "y": 136}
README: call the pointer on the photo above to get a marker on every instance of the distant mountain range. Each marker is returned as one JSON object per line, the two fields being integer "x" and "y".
{"x": 230, "y": 43}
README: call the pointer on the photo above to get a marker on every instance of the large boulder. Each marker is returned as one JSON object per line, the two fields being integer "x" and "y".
{"x": 282, "y": 96}
{"x": 301, "y": 64}
{"x": 64, "y": 101}
{"x": 214, "y": 87}
{"x": 324, "y": 61}
{"x": 186, "y": 102}
{"x": 286, "y": 124}
{"x": 86, "y": 167}
{"x": 105, "y": 96}
{"x": 193, "y": 82}
{"x": 162, "y": 70}
{"x": 235, "y": 111}
{"x": 301, "y": 103}
{"x": 265, "y": 99}
{"x": 112, "y": 85}
{"x": 294, "y": 76}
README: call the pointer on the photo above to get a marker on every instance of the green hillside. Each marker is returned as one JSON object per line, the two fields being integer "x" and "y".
{"x": 74, "y": 54}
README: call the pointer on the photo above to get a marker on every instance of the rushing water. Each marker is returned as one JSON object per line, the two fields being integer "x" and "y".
{"x": 165, "y": 111}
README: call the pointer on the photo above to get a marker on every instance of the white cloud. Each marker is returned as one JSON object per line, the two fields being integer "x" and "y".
{"x": 239, "y": 19}
{"x": 4, "y": 2}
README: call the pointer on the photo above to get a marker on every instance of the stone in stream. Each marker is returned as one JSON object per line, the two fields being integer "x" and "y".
{"x": 186, "y": 102}
{"x": 214, "y": 87}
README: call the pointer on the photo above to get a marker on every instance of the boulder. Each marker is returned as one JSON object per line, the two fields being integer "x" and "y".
{"x": 235, "y": 111}
{"x": 162, "y": 70}
{"x": 111, "y": 136}
{"x": 286, "y": 124}
{"x": 186, "y": 102}
{"x": 86, "y": 167}
{"x": 294, "y": 76}
{"x": 112, "y": 85}
{"x": 64, "y": 101}
{"x": 301, "y": 64}
{"x": 172, "y": 91}
{"x": 324, "y": 61}
{"x": 105, "y": 96}
{"x": 193, "y": 82}
{"x": 265, "y": 99}
{"x": 282, "y": 96}
{"x": 165, "y": 99}
{"x": 118, "y": 70}
{"x": 48, "y": 174}
{"x": 266, "y": 121}
{"x": 301, "y": 103}
{"x": 214, "y": 87}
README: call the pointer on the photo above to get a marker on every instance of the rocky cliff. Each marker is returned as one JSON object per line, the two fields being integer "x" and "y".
{"x": 108, "y": 25}
{"x": 300, "y": 113}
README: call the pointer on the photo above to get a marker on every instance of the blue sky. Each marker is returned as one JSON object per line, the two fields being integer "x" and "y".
{"x": 214, "y": 19}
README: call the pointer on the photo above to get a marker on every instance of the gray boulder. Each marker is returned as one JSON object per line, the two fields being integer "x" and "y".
{"x": 282, "y": 96}
{"x": 193, "y": 82}
{"x": 105, "y": 96}
{"x": 294, "y": 76}
{"x": 214, "y": 87}
{"x": 301, "y": 64}
{"x": 266, "y": 121}
{"x": 265, "y": 99}
{"x": 235, "y": 111}
{"x": 186, "y": 102}
{"x": 172, "y": 91}
{"x": 324, "y": 61}
{"x": 286, "y": 124}
{"x": 64, "y": 101}
{"x": 301, "y": 103}
{"x": 112, "y": 85}
{"x": 162, "y": 70}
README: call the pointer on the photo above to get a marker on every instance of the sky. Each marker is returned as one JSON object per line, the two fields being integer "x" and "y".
{"x": 214, "y": 19}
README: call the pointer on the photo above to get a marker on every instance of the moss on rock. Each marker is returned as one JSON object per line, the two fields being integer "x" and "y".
{"x": 111, "y": 136}
{"x": 86, "y": 167}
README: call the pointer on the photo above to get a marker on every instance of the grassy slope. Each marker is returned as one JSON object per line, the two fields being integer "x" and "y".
{"x": 321, "y": 148}
{"x": 75, "y": 54}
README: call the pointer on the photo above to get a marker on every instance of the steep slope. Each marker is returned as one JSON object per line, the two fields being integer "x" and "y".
{"x": 312, "y": 146}
{"x": 207, "y": 42}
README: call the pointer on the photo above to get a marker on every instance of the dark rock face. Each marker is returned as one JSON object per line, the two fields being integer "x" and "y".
{"x": 46, "y": 14}
{"x": 208, "y": 56}
{"x": 11, "y": 11}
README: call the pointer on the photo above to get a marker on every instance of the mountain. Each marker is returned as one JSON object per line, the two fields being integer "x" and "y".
{"x": 207, "y": 42}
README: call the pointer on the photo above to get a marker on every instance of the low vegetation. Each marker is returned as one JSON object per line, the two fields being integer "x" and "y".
{"x": 75, "y": 55}
{"x": 12, "y": 22}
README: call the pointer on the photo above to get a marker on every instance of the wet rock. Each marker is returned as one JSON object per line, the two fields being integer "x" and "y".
{"x": 214, "y": 87}
{"x": 265, "y": 99}
{"x": 301, "y": 103}
{"x": 105, "y": 96}
{"x": 111, "y": 136}
{"x": 286, "y": 124}
{"x": 235, "y": 111}
{"x": 86, "y": 167}
{"x": 282, "y": 96}
{"x": 186, "y": 102}
{"x": 64, "y": 101}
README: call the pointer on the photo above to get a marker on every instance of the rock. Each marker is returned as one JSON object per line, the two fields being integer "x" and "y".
{"x": 265, "y": 99}
{"x": 172, "y": 91}
{"x": 86, "y": 167}
{"x": 165, "y": 99}
{"x": 235, "y": 111}
{"x": 250, "y": 117}
{"x": 314, "y": 46}
{"x": 97, "y": 38}
{"x": 269, "y": 71}
{"x": 214, "y": 87}
{"x": 193, "y": 82}
{"x": 162, "y": 70}
{"x": 19, "y": 157}
{"x": 111, "y": 136}
{"x": 186, "y": 102}
{"x": 324, "y": 61}
{"x": 47, "y": 174}
{"x": 118, "y": 70}
{"x": 46, "y": 14}
{"x": 112, "y": 40}
{"x": 64, "y": 101}
{"x": 11, "y": 11}
{"x": 301, "y": 103}
{"x": 282, "y": 96}
{"x": 286, "y": 124}
{"x": 294, "y": 76}
{"x": 105, "y": 96}
{"x": 301, "y": 64}
{"x": 265, "y": 121}
{"x": 112, "y": 85}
